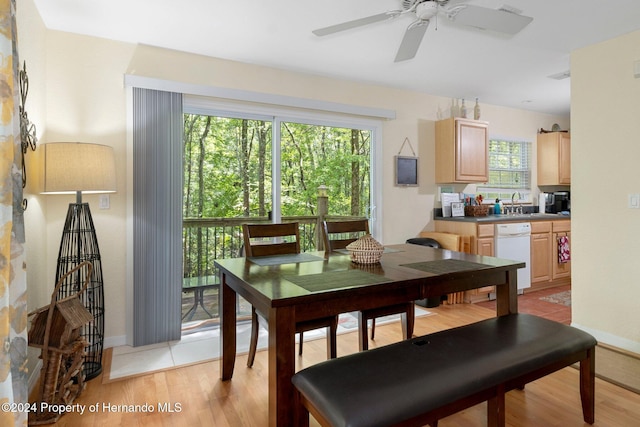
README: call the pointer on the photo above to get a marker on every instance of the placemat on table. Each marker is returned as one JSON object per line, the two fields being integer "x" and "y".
{"x": 443, "y": 266}
{"x": 386, "y": 251}
{"x": 336, "y": 280}
{"x": 284, "y": 259}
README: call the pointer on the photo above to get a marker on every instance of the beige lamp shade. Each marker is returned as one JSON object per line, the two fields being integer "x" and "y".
{"x": 70, "y": 167}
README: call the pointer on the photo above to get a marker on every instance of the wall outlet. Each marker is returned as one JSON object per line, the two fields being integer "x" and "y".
{"x": 634, "y": 201}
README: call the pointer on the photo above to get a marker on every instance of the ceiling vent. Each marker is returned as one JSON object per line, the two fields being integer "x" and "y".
{"x": 561, "y": 76}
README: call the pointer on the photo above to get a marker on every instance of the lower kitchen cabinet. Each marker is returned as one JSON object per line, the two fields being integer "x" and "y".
{"x": 485, "y": 242}
{"x": 546, "y": 271}
{"x": 541, "y": 267}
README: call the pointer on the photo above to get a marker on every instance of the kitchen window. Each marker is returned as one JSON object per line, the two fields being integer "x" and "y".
{"x": 509, "y": 170}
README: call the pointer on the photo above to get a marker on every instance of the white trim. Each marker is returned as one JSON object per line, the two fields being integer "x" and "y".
{"x": 256, "y": 97}
{"x": 34, "y": 376}
{"x": 116, "y": 341}
{"x": 610, "y": 339}
{"x": 276, "y": 179}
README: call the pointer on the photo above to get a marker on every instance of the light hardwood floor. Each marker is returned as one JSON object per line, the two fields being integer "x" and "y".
{"x": 206, "y": 401}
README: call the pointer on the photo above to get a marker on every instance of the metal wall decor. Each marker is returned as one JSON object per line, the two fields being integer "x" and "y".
{"x": 27, "y": 129}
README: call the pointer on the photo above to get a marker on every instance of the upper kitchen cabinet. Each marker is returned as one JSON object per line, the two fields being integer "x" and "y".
{"x": 462, "y": 147}
{"x": 554, "y": 158}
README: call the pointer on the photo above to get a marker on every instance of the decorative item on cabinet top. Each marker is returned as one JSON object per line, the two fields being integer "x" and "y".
{"x": 476, "y": 111}
{"x": 554, "y": 128}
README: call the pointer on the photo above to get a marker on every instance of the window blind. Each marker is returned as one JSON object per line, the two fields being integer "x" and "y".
{"x": 509, "y": 168}
{"x": 157, "y": 216}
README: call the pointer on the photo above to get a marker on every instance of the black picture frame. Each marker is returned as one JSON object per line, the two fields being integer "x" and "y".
{"x": 406, "y": 171}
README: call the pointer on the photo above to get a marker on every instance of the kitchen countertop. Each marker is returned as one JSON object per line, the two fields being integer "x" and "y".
{"x": 527, "y": 217}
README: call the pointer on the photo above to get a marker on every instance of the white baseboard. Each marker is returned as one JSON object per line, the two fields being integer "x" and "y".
{"x": 34, "y": 376}
{"x": 115, "y": 341}
{"x": 612, "y": 340}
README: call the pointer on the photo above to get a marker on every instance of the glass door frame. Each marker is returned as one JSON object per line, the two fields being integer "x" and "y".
{"x": 277, "y": 115}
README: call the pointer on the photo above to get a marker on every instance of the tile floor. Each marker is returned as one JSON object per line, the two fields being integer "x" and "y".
{"x": 531, "y": 303}
{"x": 196, "y": 347}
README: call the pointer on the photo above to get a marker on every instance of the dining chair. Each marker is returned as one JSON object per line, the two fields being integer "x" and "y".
{"x": 452, "y": 242}
{"x": 337, "y": 235}
{"x": 281, "y": 239}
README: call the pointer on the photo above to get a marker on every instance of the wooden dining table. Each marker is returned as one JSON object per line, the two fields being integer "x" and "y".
{"x": 310, "y": 285}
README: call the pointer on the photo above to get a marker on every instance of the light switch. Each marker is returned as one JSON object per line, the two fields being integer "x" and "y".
{"x": 634, "y": 201}
{"x": 104, "y": 201}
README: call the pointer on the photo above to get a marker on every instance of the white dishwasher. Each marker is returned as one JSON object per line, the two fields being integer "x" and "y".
{"x": 513, "y": 241}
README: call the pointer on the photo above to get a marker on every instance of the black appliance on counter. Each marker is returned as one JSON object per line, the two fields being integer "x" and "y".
{"x": 559, "y": 201}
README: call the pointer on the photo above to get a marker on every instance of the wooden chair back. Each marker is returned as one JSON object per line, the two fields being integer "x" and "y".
{"x": 452, "y": 242}
{"x": 271, "y": 239}
{"x": 338, "y": 234}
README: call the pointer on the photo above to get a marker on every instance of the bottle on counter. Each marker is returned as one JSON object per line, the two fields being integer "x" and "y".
{"x": 497, "y": 208}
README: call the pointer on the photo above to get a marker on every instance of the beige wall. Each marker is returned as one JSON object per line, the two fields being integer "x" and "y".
{"x": 32, "y": 50}
{"x": 605, "y": 144}
{"x": 85, "y": 100}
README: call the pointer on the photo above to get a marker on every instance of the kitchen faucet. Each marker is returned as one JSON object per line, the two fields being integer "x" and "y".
{"x": 513, "y": 202}
{"x": 513, "y": 197}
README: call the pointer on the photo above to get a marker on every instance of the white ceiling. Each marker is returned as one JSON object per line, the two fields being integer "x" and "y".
{"x": 452, "y": 61}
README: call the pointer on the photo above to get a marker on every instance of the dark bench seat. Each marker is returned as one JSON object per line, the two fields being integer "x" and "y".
{"x": 417, "y": 382}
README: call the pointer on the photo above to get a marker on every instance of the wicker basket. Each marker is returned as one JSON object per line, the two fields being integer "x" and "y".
{"x": 365, "y": 250}
{"x": 479, "y": 210}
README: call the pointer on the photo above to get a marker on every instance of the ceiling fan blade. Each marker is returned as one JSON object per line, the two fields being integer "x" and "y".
{"x": 411, "y": 40}
{"x": 356, "y": 23}
{"x": 490, "y": 19}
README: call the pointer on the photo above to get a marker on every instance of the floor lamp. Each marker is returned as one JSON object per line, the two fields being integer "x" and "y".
{"x": 74, "y": 167}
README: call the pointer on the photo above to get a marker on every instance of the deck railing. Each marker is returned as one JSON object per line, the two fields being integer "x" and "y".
{"x": 208, "y": 239}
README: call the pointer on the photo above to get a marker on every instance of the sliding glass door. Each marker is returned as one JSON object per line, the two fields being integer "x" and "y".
{"x": 241, "y": 167}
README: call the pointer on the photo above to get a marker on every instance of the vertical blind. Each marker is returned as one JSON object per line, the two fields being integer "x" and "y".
{"x": 157, "y": 216}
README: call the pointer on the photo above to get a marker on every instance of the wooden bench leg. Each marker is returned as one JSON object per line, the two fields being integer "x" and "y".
{"x": 496, "y": 409}
{"x": 588, "y": 386}
{"x": 301, "y": 415}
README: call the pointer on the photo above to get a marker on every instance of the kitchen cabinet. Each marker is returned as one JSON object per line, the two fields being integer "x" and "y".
{"x": 554, "y": 158}
{"x": 541, "y": 266}
{"x": 546, "y": 271}
{"x": 485, "y": 240}
{"x": 462, "y": 149}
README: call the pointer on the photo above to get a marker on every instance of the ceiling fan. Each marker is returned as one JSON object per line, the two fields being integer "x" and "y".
{"x": 505, "y": 20}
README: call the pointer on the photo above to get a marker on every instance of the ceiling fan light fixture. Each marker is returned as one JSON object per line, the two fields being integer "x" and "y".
{"x": 426, "y": 10}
